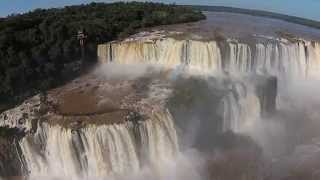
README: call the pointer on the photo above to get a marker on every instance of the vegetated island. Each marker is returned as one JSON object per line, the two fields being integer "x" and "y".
{"x": 292, "y": 19}
{"x": 39, "y": 49}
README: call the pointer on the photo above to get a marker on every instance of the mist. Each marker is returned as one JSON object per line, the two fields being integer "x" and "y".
{"x": 275, "y": 143}
{"x": 273, "y": 146}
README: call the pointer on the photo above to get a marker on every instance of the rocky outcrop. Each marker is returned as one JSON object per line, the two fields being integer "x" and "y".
{"x": 82, "y": 114}
{"x": 21, "y": 117}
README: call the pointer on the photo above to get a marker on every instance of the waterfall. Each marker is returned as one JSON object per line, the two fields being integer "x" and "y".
{"x": 283, "y": 60}
{"x": 313, "y": 53}
{"x": 159, "y": 139}
{"x": 110, "y": 150}
{"x": 239, "y": 58}
{"x": 241, "y": 108}
{"x": 287, "y": 61}
{"x": 167, "y": 52}
{"x": 278, "y": 58}
{"x": 204, "y": 56}
{"x": 100, "y": 150}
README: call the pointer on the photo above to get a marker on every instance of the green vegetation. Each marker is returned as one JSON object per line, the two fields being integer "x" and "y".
{"x": 292, "y": 19}
{"x": 37, "y": 48}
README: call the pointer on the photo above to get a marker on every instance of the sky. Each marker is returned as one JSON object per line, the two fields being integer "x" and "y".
{"x": 302, "y": 8}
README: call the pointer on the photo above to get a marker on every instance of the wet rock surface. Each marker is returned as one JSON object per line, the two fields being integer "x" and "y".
{"x": 10, "y": 158}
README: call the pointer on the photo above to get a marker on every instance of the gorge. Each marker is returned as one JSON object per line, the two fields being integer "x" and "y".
{"x": 178, "y": 104}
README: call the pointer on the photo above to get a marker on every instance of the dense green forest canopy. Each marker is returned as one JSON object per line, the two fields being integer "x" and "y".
{"x": 292, "y": 19}
{"x": 36, "y": 47}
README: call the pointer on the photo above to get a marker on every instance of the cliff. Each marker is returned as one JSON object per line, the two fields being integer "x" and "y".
{"x": 264, "y": 56}
{"x": 156, "y": 94}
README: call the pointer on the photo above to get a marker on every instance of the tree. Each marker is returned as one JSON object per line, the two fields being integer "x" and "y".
{"x": 36, "y": 46}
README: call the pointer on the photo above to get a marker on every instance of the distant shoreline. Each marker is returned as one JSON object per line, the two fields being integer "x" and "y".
{"x": 287, "y": 18}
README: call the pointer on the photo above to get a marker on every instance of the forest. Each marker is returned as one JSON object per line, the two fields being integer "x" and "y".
{"x": 38, "y": 47}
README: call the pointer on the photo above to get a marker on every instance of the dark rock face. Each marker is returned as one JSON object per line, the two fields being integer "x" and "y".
{"x": 194, "y": 105}
{"x": 10, "y": 162}
{"x": 271, "y": 94}
{"x": 267, "y": 93}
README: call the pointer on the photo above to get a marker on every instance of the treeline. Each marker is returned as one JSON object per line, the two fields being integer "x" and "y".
{"x": 292, "y": 19}
{"x": 36, "y": 47}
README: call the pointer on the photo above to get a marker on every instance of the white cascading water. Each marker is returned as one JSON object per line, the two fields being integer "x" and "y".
{"x": 279, "y": 58}
{"x": 285, "y": 60}
{"x": 313, "y": 59}
{"x": 110, "y": 150}
{"x": 282, "y": 60}
{"x": 200, "y": 56}
{"x": 99, "y": 150}
{"x": 239, "y": 58}
{"x": 241, "y": 108}
{"x": 159, "y": 139}
{"x": 167, "y": 52}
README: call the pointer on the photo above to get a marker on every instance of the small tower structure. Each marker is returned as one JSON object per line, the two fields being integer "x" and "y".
{"x": 82, "y": 36}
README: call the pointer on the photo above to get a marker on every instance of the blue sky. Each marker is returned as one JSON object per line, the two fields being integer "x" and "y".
{"x": 303, "y": 8}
